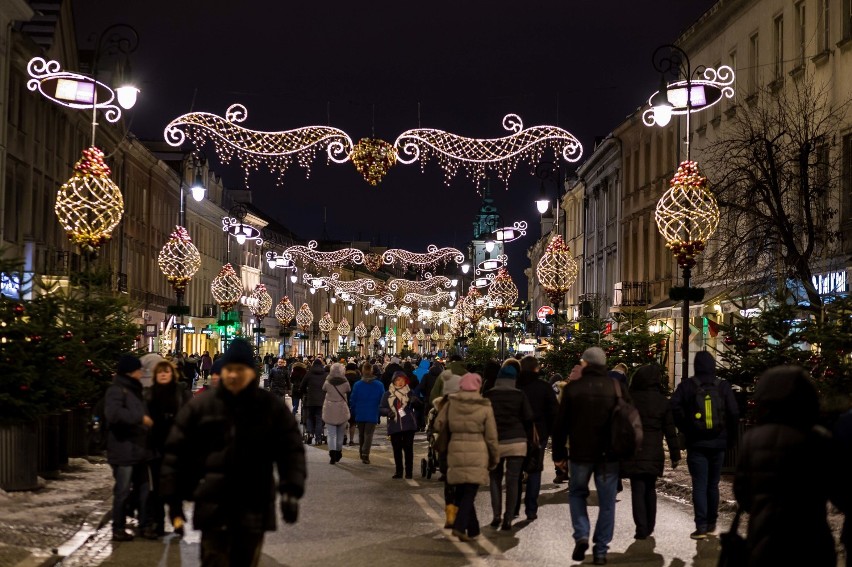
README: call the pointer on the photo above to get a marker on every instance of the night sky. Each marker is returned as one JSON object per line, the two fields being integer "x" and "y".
{"x": 580, "y": 64}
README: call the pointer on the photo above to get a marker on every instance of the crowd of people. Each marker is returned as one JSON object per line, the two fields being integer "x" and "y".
{"x": 487, "y": 427}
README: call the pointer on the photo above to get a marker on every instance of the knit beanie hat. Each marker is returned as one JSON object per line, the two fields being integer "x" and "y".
{"x": 127, "y": 364}
{"x": 451, "y": 382}
{"x": 337, "y": 371}
{"x": 400, "y": 374}
{"x": 217, "y": 367}
{"x": 149, "y": 361}
{"x": 594, "y": 355}
{"x": 239, "y": 352}
{"x": 470, "y": 382}
{"x": 507, "y": 372}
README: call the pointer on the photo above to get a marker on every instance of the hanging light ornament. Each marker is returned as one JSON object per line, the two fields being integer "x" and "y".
{"x": 435, "y": 336}
{"x": 473, "y": 306}
{"x": 326, "y": 323}
{"x": 687, "y": 214}
{"x": 557, "y": 270}
{"x": 343, "y": 328}
{"x": 262, "y": 303}
{"x": 503, "y": 293}
{"x": 391, "y": 335}
{"x": 285, "y": 311}
{"x": 448, "y": 336}
{"x": 360, "y": 332}
{"x": 373, "y": 262}
{"x": 227, "y": 289}
{"x": 179, "y": 259}
{"x": 420, "y": 336}
{"x": 89, "y": 205}
{"x": 406, "y": 336}
{"x": 373, "y": 158}
{"x": 304, "y": 318}
{"x": 376, "y": 333}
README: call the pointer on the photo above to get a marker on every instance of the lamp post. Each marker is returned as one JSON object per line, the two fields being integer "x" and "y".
{"x": 179, "y": 260}
{"x": 260, "y": 307}
{"x": 549, "y": 171}
{"x": 687, "y": 214}
{"x": 503, "y": 294}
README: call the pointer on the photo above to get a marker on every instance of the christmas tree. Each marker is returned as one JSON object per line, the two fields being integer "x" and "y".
{"x": 634, "y": 344}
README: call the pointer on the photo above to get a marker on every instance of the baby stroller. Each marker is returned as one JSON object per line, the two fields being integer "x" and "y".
{"x": 307, "y": 438}
{"x": 429, "y": 464}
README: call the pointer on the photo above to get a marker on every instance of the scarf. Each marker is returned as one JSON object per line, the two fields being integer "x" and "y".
{"x": 398, "y": 397}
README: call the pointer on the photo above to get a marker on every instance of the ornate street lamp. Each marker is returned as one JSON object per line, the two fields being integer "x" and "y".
{"x": 234, "y": 225}
{"x": 260, "y": 306}
{"x": 343, "y": 329}
{"x": 375, "y": 335}
{"x": 305, "y": 319}
{"x": 557, "y": 271}
{"x": 179, "y": 260}
{"x": 503, "y": 293}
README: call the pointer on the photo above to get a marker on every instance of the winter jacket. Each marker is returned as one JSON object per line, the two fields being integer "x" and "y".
{"x": 684, "y": 407}
{"x": 124, "y": 408}
{"x": 364, "y": 401}
{"x": 221, "y": 452}
{"x": 297, "y": 374}
{"x": 422, "y": 369}
{"x": 473, "y": 449}
{"x": 279, "y": 381}
{"x": 542, "y": 400}
{"x": 513, "y": 416}
{"x": 335, "y": 408}
{"x": 657, "y": 422}
{"x": 206, "y": 362}
{"x": 428, "y": 383}
{"x": 585, "y": 417}
{"x": 398, "y": 423}
{"x": 312, "y": 383}
{"x": 456, "y": 367}
{"x": 164, "y": 402}
{"x": 387, "y": 375}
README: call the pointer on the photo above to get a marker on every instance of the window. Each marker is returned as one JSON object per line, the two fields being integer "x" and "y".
{"x": 801, "y": 34}
{"x": 846, "y": 182}
{"x": 778, "y": 48}
{"x": 847, "y": 19}
{"x": 823, "y": 32}
{"x": 754, "y": 63}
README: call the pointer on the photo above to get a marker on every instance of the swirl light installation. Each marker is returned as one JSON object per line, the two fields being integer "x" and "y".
{"x": 373, "y": 158}
{"x": 89, "y": 205}
{"x": 326, "y": 323}
{"x": 261, "y": 303}
{"x": 433, "y": 257}
{"x": 304, "y": 318}
{"x": 285, "y": 311}
{"x": 511, "y": 233}
{"x": 424, "y": 299}
{"x": 240, "y": 230}
{"x": 419, "y": 286}
{"x": 492, "y": 264}
{"x": 373, "y": 262}
{"x": 45, "y": 77}
{"x": 557, "y": 270}
{"x": 227, "y": 289}
{"x": 310, "y": 255}
{"x": 179, "y": 259}
{"x": 502, "y": 293}
{"x": 715, "y": 85}
{"x": 479, "y": 156}
{"x": 277, "y": 150}
{"x": 687, "y": 214}
{"x": 343, "y": 328}
{"x": 359, "y": 286}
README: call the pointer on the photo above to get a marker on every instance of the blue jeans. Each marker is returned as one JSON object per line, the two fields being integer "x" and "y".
{"x": 606, "y": 483}
{"x": 705, "y": 468}
{"x": 296, "y": 401}
{"x": 314, "y": 421}
{"x": 127, "y": 477}
{"x": 335, "y": 436}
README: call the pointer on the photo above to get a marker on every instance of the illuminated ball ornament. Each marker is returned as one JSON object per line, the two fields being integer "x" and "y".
{"x": 376, "y": 333}
{"x": 420, "y": 336}
{"x": 227, "y": 289}
{"x": 89, "y": 205}
{"x": 262, "y": 303}
{"x": 179, "y": 259}
{"x": 687, "y": 214}
{"x": 373, "y": 158}
{"x": 435, "y": 336}
{"x": 343, "y": 328}
{"x": 406, "y": 336}
{"x": 503, "y": 292}
{"x": 326, "y": 323}
{"x": 305, "y": 317}
{"x": 285, "y": 311}
{"x": 557, "y": 270}
{"x": 360, "y": 331}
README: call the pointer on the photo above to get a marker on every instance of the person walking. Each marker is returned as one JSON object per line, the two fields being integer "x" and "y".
{"x": 335, "y": 410}
{"x": 352, "y": 376}
{"x": 297, "y": 374}
{"x": 206, "y": 365}
{"x": 450, "y": 386}
{"x": 427, "y": 384}
{"x": 787, "y": 523}
{"x": 312, "y": 390}
{"x": 472, "y": 449}
{"x": 364, "y": 403}
{"x": 221, "y": 453}
{"x": 584, "y": 421}
{"x": 128, "y": 425}
{"x": 391, "y": 368}
{"x": 542, "y": 400}
{"x": 647, "y": 464}
{"x": 279, "y": 379}
{"x": 165, "y": 399}
{"x": 402, "y": 424}
{"x": 706, "y": 412}
{"x": 513, "y": 416}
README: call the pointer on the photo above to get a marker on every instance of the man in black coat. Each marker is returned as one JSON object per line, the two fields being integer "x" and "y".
{"x": 128, "y": 425}
{"x": 585, "y": 418}
{"x": 313, "y": 397}
{"x": 279, "y": 380}
{"x": 221, "y": 453}
{"x": 705, "y": 448}
{"x": 544, "y": 406}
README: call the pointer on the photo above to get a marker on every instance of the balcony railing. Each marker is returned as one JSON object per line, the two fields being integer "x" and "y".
{"x": 631, "y": 294}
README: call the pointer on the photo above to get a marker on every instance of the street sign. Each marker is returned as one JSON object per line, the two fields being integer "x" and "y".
{"x": 543, "y": 312}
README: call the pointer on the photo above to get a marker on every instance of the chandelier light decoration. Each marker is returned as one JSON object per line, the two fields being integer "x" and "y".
{"x": 432, "y": 258}
{"x": 687, "y": 214}
{"x": 227, "y": 289}
{"x": 479, "y": 156}
{"x": 285, "y": 311}
{"x": 503, "y": 293}
{"x": 326, "y": 323}
{"x": 304, "y": 318}
{"x": 89, "y": 205}
{"x": 179, "y": 259}
{"x": 343, "y": 328}
{"x": 310, "y": 255}
{"x": 373, "y": 158}
{"x": 261, "y": 302}
{"x": 360, "y": 332}
{"x": 557, "y": 270}
{"x": 277, "y": 150}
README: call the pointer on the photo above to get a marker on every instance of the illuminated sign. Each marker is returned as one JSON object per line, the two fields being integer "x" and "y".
{"x": 835, "y": 282}
{"x": 75, "y": 91}
{"x": 543, "y": 312}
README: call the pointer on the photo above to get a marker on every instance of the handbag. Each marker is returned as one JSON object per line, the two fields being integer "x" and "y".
{"x": 734, "y": 546}
{"x": 534, "y": 461}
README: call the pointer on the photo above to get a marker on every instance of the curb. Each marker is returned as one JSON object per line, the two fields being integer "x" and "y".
{"x": 683, "y": 492}
{"x": 88, "y": 529}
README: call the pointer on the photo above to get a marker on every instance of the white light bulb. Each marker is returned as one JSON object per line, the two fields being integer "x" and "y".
{"x": 454, "y": 282}
{"x": 349, "y": 307}
{"x": 542, "y": 205}
{"x": 293, "y": 278}
{"x": 489, "y": 245}
{"x": 313, "y": 290}
{"x": 662, "y": 114}
{"x": 271, "y": 264}
{"x": 334, "y": 300}
{"x": 465, "y": 268}
{"x": 126, "y": 96}
{"x": 198, "y": 192}
{"x": 241, "y": 238}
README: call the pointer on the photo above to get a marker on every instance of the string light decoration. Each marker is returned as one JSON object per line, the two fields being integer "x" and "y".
{"x": 503, "y": 293}
{"x": 179, "y": 259}
{"x": 428, "y": 282}
{"x": 373, "y": 262}
{"x": 261, "y": 302}
{"x": 310, "y": 255}
{"x": 687, "y": 214}
{"x": 376, "y": 333}
{"x": 420, "y": 336}
{"x": 406, "y": 336}
{"x": 373, "y": 158}
{"x": 477, "y": 157}
{"x": 326, "y": 323}
{"x": 360, "y": 332}
{"x": 557, "y": 270}
{"x": 343, "y": 328}
{"x": 717, "y": 84}
{"x": 359, "y": 286}
{"x": 433, "y": 257}
{"x": 448, "y": 336}
{"x": 285, "y": 311}
{"x": 391, "y": 335}
{"x": 277, "y": 150}
{"x": 473, "y": 306}
{"x": 424, "y": 299}
{"x": 227, "y": 289}
{"x": 304, "y": 318}
{"x": 240, "y": 230}
{"x": 89, "y": 205}
{"x": 435, "y": 336}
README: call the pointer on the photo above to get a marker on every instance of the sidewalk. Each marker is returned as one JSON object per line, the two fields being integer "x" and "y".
{"x": 41, "y": 526}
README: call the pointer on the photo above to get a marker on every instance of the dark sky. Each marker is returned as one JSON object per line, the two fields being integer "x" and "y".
{"x": 581, "y": 64}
